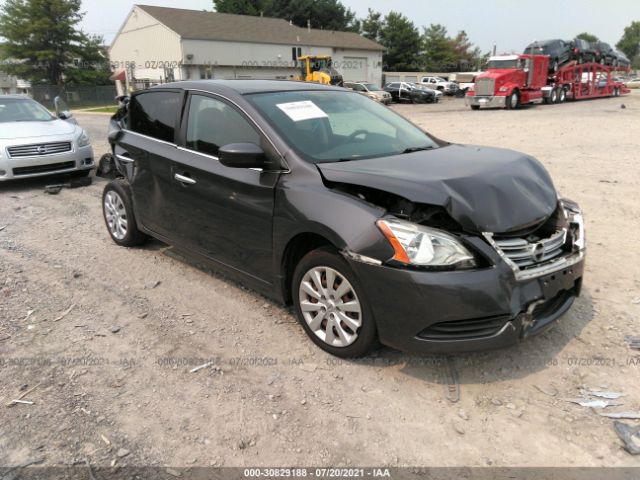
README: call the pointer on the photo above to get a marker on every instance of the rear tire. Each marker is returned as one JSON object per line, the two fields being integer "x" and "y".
{"x": 562, "y": 95}
{"x": 475, "y": 107}
{"x": 319, "y": 290}
{"x": 117, "y": 210}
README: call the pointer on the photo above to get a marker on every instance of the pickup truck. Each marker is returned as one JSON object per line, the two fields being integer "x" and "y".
{"x": 438, "y": 83}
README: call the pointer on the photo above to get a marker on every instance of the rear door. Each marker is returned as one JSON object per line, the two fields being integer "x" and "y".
{"x": 146, "y": 150}
{"x": 225, "y": 213}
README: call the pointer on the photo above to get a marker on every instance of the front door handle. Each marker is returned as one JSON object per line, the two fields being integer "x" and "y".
{"x": 125, "y": 159}
{"x": 184, "y": 179}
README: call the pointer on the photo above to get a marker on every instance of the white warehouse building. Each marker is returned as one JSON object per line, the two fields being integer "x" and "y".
{"x": 158, "y": 44}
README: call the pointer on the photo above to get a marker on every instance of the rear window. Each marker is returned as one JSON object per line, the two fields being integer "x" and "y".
{"x": 154, "y": 114}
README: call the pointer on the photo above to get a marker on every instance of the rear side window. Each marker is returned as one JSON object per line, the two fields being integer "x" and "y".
{"x": 154, "y": 114}
{"x": 213, "y": 124}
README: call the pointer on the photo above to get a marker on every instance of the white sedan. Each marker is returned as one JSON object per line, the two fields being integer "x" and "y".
{"x": 34, "y": 143}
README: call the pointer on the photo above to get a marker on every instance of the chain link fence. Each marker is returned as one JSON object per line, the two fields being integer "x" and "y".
{"x": 76, "y": 97}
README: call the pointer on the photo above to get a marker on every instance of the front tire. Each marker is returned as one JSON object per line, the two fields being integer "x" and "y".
{"x": 331, "y": 306}
{"x": 117, "y": 210}
{"x": 513, "y": 101}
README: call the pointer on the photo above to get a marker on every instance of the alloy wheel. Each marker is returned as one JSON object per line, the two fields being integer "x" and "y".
{"x": 330, "y": 306}
{"x": 116, "y": 215}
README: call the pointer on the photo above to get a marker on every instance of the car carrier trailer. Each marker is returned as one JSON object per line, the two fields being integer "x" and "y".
{"x": 514, "y": 80}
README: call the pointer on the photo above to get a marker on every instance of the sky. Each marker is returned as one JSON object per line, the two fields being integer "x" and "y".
{"x": 509, "y": 24}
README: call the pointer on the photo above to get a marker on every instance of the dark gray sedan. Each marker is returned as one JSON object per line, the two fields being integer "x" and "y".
{"x": 373, "y": 229}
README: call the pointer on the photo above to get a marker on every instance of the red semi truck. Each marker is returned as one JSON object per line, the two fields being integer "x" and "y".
{"x": 514, "y": 80}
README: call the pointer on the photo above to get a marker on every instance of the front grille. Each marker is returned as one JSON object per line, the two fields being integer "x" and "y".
{"x": 39, "y": 149}
{"x": 465, "y": 329}
{"x": 485, "y": 86}
{"x": 525, "y": 253}
{"x": 50, "y": 167}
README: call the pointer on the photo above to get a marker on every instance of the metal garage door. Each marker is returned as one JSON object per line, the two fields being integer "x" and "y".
{"x": 354, "y": 69}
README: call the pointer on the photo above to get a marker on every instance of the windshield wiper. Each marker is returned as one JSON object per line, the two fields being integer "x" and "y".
{"x": 338, "y": 160}
{"x": 417, "y": 149}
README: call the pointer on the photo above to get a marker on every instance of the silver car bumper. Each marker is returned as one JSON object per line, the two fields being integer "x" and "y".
{"x": 78, "y": 159}
{"x": 485, "y": 101}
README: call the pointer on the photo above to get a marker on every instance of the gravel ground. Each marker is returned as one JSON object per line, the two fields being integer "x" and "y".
{"x": 107, "y": 337}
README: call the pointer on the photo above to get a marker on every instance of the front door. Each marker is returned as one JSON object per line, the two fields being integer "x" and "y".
{"x": 226, "y": 213}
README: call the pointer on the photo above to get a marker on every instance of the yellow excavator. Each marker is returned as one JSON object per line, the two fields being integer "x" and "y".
{"x": 318, "y": 69}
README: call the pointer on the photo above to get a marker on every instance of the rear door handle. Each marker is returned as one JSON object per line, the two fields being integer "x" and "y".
{"x": 184, "y": 179}
{"x": 125, "y": 159}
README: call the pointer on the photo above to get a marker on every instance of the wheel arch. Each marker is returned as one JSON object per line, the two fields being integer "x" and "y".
{"x": 296, "y": 248}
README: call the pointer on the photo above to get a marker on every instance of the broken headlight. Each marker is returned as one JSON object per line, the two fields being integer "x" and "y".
{"x": 424, "y": 246}
{"x": 573, "y": 213}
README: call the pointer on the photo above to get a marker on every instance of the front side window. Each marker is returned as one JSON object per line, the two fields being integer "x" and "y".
{"x": 330, "y": 126}
{"x": 154, "y": 114}
{"x": 212, "y": 124}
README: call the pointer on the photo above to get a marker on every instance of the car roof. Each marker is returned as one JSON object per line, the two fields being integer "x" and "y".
{"x": 543, "y": 43}
{"x": 244, "y": 87}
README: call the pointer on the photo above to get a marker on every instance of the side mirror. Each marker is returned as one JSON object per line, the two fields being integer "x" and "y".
{"x": 114, "y": 130}
{"x": 62, "y": 109}
{"x": 241, "y": 155}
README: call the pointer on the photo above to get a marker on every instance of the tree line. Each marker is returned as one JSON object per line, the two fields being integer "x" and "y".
{"x": 406, "y": 48}
{"x": 44, "y": 43}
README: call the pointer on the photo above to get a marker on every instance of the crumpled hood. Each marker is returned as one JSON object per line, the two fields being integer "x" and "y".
{"x": 483, "y": 189}
{"x": 25, "y": 130}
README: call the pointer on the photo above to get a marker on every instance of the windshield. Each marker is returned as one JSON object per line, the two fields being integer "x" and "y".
{"x": 331, "y": 126}
{"x": 498, "y": 64}
{"x": 23, "y": 110}
{"x": 318, "y": 64}
{"x": 372, "y": 87}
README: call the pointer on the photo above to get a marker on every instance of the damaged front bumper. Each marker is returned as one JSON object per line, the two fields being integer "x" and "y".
{"x": 420, "y": 311}
{"x": 445, "y": 312}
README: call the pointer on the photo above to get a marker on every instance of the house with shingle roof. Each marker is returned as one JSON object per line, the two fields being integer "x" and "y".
{"x": 158, "y": 44}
